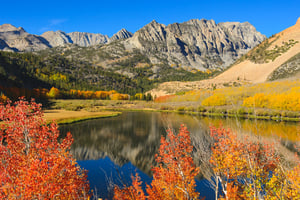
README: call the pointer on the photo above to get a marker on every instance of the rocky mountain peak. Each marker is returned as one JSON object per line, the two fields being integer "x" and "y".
{"x": 202, "y": 22}
{"x": 153, "y": 22}
{"x": 17, "y": 39}
{"x": 153, "y": 31}
{"x": 7, "y": 27}
{"x": 122, "y": 34}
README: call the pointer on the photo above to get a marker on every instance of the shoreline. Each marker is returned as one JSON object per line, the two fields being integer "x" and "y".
{"x": 61, "y": 116}
{"x": 215, "y": 114}
{"x": 91, "y": 109}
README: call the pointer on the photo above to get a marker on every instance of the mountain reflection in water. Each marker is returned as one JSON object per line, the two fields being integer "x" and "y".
{"x": 113, "y": 149}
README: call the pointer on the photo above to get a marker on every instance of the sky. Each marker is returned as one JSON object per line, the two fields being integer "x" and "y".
{"x": 108, "y": 17}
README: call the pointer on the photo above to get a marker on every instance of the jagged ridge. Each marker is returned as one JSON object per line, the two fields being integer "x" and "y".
{"x": 195, "y": 44}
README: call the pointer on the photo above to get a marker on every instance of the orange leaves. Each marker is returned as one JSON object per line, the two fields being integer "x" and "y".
{"x": 176, "y": 171}
{"x": 113, "y": 95}
{"x": 163, "y": 99}
{"x": 3, "y": 98}
{"x": 251, "y": 169}
{"x": 174, "y": 177}
{"x": 34, "y": 165}
{"x": 245, "y": 169}
{"x": 134, "y": 192}
{"x": 293, "y": 176}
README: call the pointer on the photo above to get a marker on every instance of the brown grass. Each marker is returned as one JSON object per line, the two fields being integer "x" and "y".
{"x": 66, "y": 116}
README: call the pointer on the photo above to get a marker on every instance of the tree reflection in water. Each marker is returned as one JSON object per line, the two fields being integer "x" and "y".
{"x": 114, "y": 148}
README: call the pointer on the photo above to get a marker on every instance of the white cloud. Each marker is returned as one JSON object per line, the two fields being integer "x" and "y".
{"x": 52, "y": 24}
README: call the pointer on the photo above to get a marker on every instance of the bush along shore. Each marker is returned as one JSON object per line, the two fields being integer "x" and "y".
{"x": 247, "y": 113}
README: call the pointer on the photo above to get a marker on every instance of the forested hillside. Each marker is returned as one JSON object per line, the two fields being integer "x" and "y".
{"x": 53, "y": 69}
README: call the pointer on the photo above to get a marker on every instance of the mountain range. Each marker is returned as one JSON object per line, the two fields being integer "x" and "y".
{"x": 195, "y": 44}
{"x": 17, "y": 39}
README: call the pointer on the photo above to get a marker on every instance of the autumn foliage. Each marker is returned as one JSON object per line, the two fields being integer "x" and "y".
{"x": 286, "y": 101}
{"x": 242, "y": 169}
{"x": 33, "y": 163}
{"x": 55, "y": 93}
{"x": 173, "y": 178}
{"x": 163, "y": 99}
{"x": 280, "y": 95}
{"x": 248, "y": 169}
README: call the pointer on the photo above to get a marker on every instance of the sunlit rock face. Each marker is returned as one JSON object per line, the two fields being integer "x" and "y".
{"x": 17, "y": 39}
{"x": 196, "y": 43}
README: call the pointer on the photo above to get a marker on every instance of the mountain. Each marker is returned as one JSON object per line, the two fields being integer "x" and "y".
{"x": 88, "y": 39}
{"x": 199, "y": 44}
{"x": 17, "y": 39}
{"x": 277, "y": 57}
{"x": 120, "y": 35}
{"x": 57, "y": 38}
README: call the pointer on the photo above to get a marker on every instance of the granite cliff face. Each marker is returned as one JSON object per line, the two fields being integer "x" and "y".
{"x": 88, "y": 39}
{"x": 17, "y": 39}
{"x": 60, "y": 38}
{"x": 57, "y": 38}
{"x": 196, "y": 43}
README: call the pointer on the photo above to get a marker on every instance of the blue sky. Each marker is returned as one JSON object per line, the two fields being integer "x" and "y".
{"x": 108, "y": 17}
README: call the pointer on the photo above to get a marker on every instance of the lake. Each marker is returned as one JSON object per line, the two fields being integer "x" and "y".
{"x": 112, "y": 149}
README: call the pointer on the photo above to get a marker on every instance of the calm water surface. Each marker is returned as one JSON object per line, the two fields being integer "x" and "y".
{"x": 112, "y": 149}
